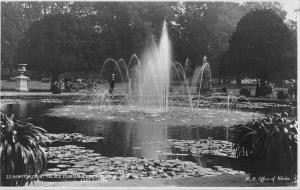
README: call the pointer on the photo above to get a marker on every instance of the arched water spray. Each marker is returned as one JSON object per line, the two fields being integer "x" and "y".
{"x": 148, "y": 80}
{"x": 202, "y": 78}
{"x": 187, "y": 64}
{"x": 116, "y": 68}
{"x": 122, "y": 65}
{"x": 105, "y": 64}
{"x": 135, "y": 69}
{"x": 184, "y": 83}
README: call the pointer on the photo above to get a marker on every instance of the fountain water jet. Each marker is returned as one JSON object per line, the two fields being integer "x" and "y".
{"x": 154, "y": 80}
{"x": 146, "y": 82}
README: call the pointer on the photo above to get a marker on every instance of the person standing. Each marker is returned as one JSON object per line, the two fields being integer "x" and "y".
{"x": 291, "y": 91}
{"x": 295, "y": 89}
{"x": 112, "y": 84}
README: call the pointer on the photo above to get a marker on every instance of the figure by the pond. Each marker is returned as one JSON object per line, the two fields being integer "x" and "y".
{"x": 69, "y": 85}
{"x": 56, "y": 87}
{"x": 112, "y": 83}
{"x": 264, "y": 89}
{"x": 292, "y": 90}
{"x": 224, "y": 90}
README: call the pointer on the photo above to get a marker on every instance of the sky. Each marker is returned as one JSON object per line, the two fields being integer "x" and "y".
{"x": 290, "y": 6}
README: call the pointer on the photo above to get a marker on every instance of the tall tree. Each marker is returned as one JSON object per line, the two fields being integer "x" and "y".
{"x": 203, "y": 29}
{"x": 11, "y": 31}
{"x": 15, "y": 20}
{"x": 57, "y": 43}
{"x": 275, "y": 6}
{"x": 259, "y": 48}
{"x": 17, "y": 17}
{"x": 128, "y": 25}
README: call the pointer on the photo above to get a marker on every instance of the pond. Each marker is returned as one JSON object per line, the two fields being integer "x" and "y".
{"x": 121, "y": 137}
{"x": 139, "y": 133}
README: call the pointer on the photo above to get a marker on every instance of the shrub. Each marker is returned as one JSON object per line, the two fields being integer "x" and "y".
{"x": 270, "y": 144}
{"x": 245, "y": 92}
{"x": 21, "y": 151}
{"x": 281, "y": 95}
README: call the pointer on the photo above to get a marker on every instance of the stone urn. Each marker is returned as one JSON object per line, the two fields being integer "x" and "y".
{"x": 21, "y": 80}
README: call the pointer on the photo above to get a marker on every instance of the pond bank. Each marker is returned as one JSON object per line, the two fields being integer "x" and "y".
{"x": 212, "y": 181}
{"x": 42, "y": 95}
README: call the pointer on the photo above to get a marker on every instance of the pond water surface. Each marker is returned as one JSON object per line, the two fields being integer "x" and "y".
{"x": 121, "y": 138}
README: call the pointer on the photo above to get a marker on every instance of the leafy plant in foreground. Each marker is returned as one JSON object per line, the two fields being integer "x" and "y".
{"x": 270, "y": 144}
{"x": 21, "y": 151}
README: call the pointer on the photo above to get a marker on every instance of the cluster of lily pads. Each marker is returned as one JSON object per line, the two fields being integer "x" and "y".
{"x": 72, "y": 138}
{"x": 70, "y": 160}
{"x": 51, "y": 101}
{"x": 203, "y": 147}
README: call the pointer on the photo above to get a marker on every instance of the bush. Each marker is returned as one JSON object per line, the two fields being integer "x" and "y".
{"x": 270, "y": 144}
{"x": 282, "y": 95}
{"x": 21, "y": 151}
{"x": 245, "y": 92}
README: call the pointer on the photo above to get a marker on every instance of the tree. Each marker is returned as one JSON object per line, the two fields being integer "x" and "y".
{"x": 203, "y": 29}
{"x": 57, "y": 43}
{"x": 12, "y": 28}
{"x": 259, "y": 48}
{"x": 17, "y": 17}
{"x": 275, "y": 6}
{"x": 119, "y": 29}
{"x": 127, "y": 26}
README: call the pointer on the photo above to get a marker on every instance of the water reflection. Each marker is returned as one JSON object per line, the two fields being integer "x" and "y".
{"x": 196, "y": 132}
{"x": 133, "y": 139}
{"x": 23, "y": 109}
{"x": 142, "y": 138}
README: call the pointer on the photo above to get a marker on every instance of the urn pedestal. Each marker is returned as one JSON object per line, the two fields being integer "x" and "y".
{"x": 21, "y": 80}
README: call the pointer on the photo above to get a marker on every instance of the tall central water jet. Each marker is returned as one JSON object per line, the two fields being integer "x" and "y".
{"x": 154, "y": 80}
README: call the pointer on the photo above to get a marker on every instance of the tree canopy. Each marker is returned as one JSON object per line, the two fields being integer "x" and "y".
{"x": 261, "y": 47}
{"x": 58, "y": 43}
{"x": 82, "y": 35}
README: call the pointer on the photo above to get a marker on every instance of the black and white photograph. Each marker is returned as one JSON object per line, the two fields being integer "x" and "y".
{"x": 149, "y": 94}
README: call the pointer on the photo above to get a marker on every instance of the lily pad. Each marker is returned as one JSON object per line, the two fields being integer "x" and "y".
{"x": 54, "y": 170}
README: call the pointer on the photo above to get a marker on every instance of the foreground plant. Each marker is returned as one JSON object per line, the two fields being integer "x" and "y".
{"x": 270, "y": 144}
{"x": 21, "y": 151}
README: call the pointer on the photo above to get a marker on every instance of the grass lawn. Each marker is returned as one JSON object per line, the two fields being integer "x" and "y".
{"x": 32, "y": 85}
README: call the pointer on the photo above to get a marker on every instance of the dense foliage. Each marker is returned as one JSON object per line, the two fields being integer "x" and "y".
{"x": 270, "y": 144}
{"x": 57, "y": 44}
{"x": 245, "y": 92}
{"x": 261, "y": 47}
{"x": 21, "y": 151}
{"x": 282, "y": 95}
{"x": 82, "y": 35}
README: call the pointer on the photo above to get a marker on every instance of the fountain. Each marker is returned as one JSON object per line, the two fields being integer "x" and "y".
{"x": 141, "y": 117}
{"x": 143, "y": 89}
{"x": 146, "y": 82}
{"x": 154, "y": 78}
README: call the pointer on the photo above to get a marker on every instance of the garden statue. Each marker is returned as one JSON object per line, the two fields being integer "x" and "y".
{"x": 21, "y": 80}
